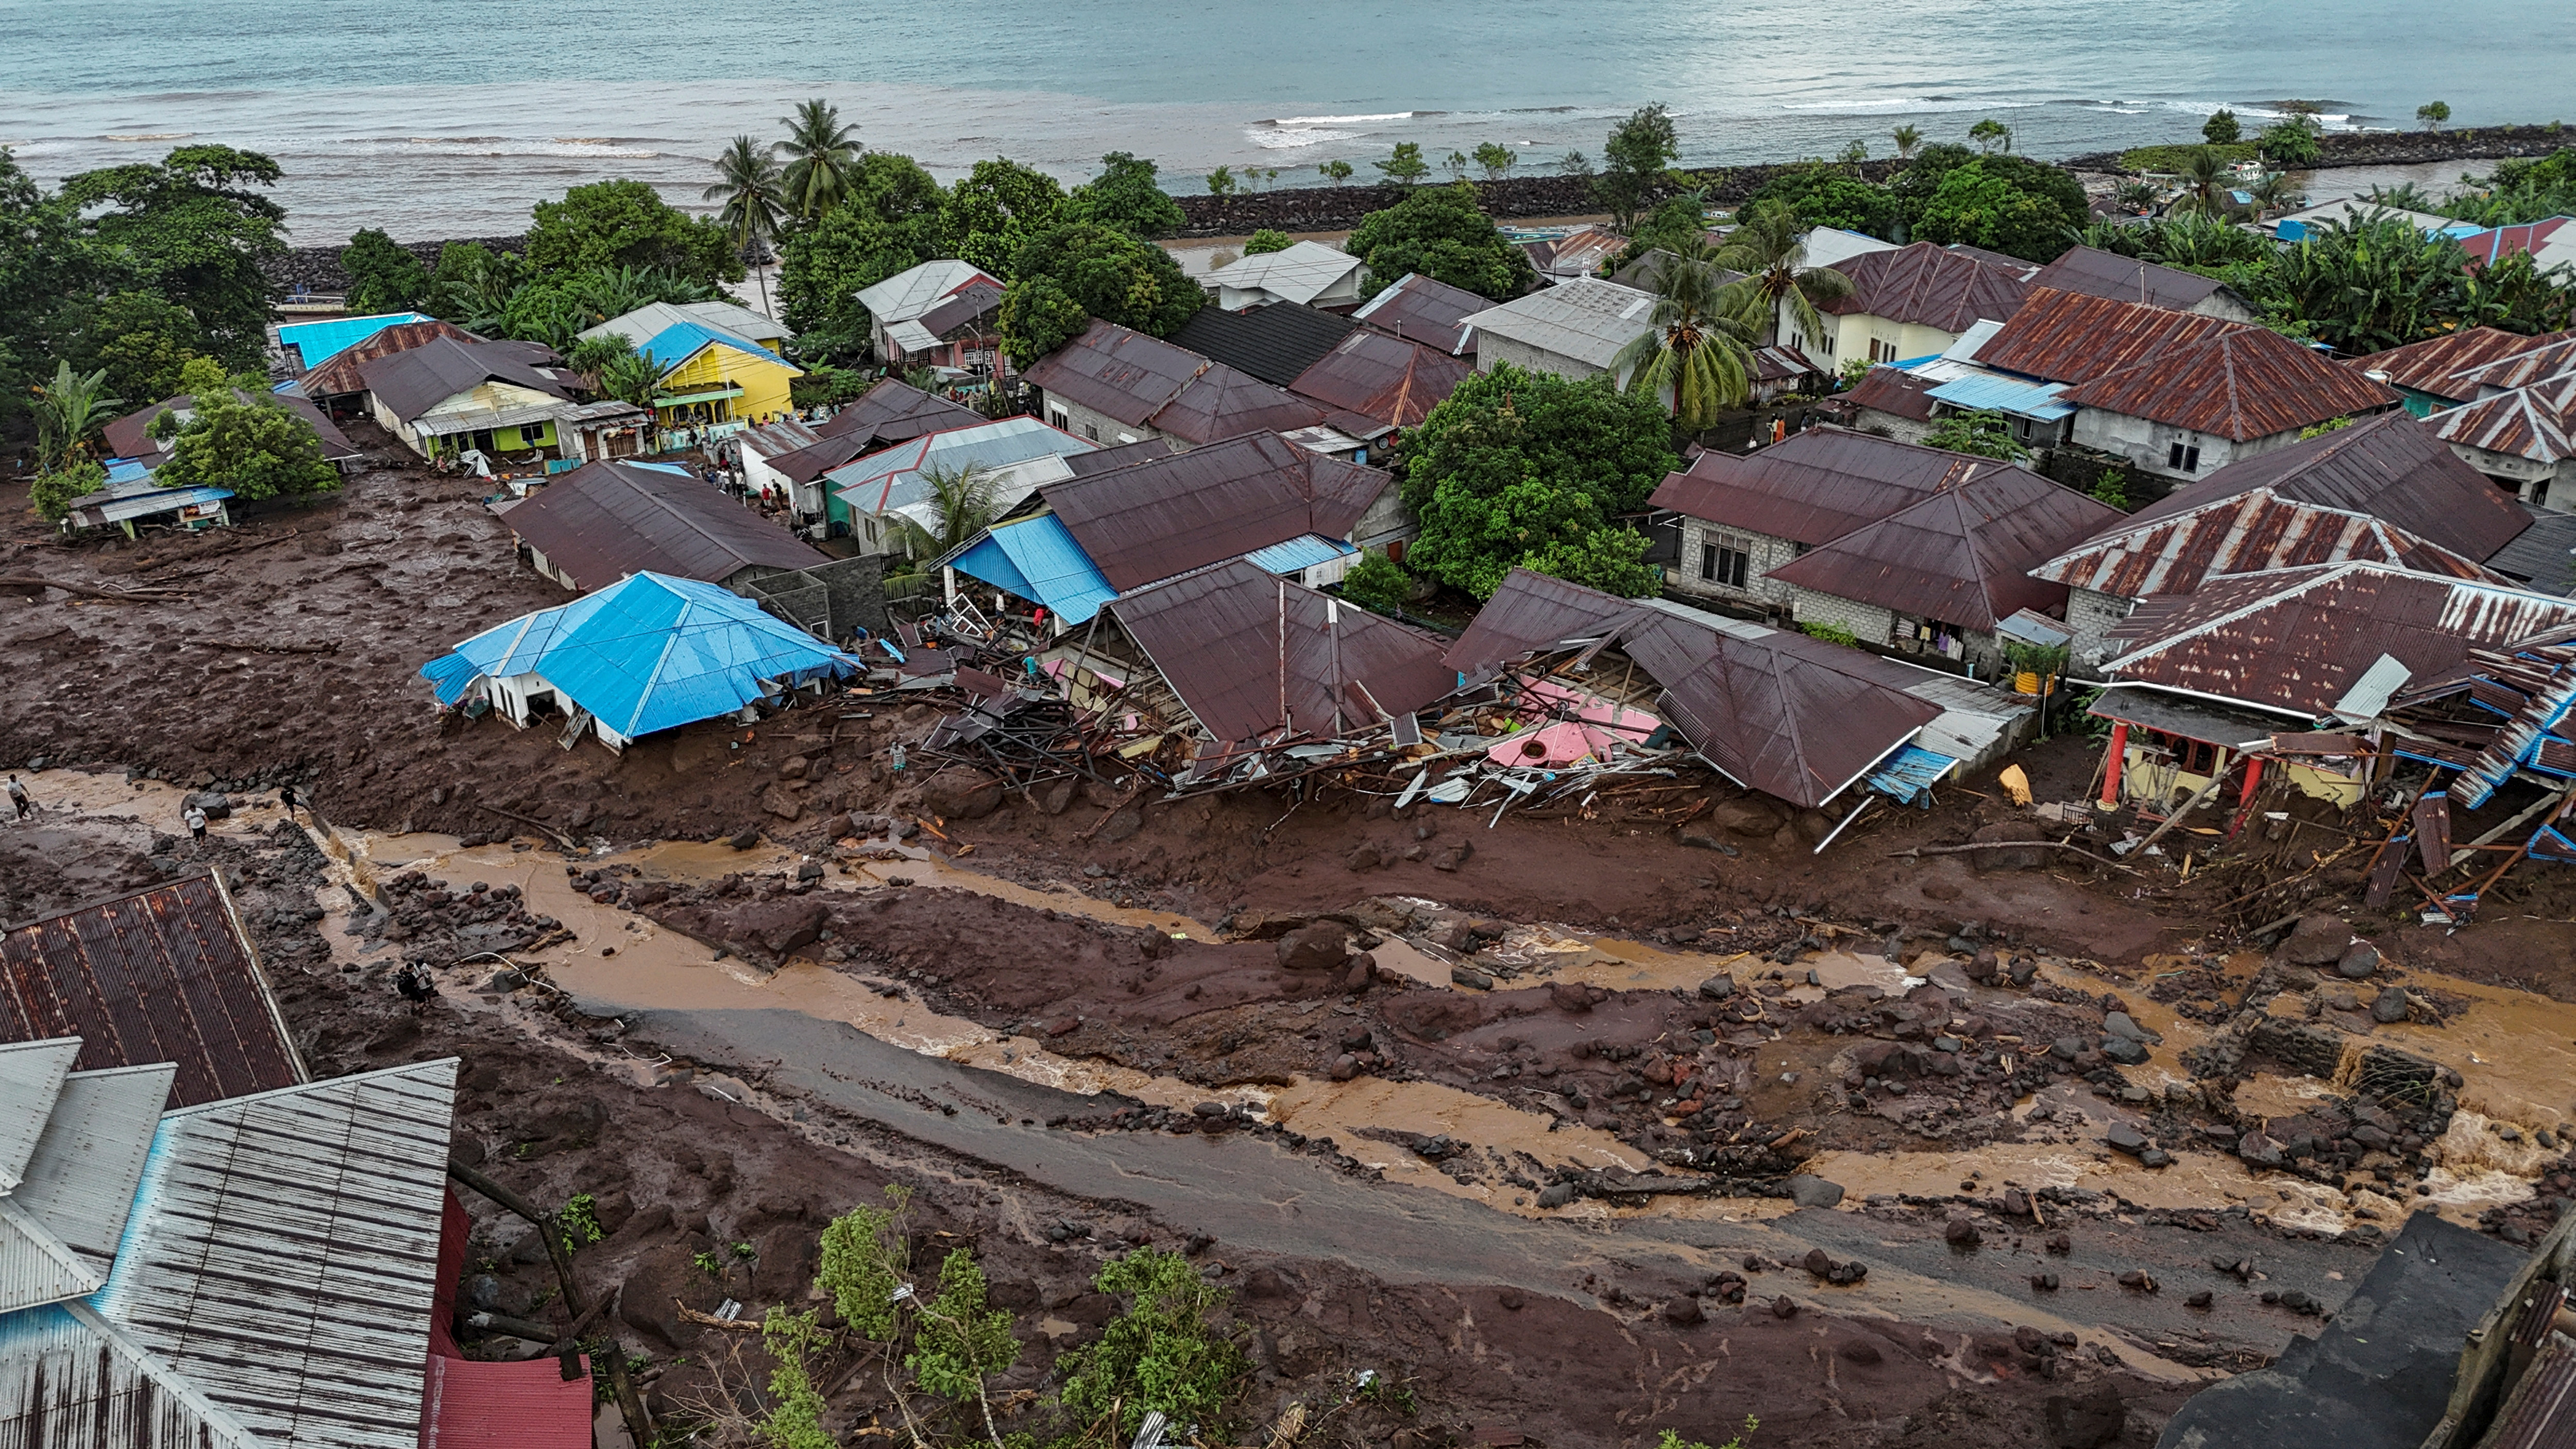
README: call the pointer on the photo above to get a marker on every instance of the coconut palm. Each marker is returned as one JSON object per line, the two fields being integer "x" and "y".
{"x": 821, "y": 153}
{"x": 1693, "y": 353}
{"x": 750, "y": 188}
{"x": 2204, "y": 184}
{"x": 630, "y": 377}
{"x": 1906, "y": 138}
{"x": 1769, "y": 248}
{"x": 2274, "y": 194}
{"x": 68, "y": 409}
{"x": 962, "y": 500}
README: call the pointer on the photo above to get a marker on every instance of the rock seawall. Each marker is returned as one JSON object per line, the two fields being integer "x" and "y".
{"x": 1339, "y": 208}
{"x": 2402, "y": 148}
{"x": 317, "y": 269}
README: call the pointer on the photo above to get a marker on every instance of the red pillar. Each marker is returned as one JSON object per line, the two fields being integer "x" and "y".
{"x": 2119, "y": 753}
{"x": 2253, "y": 775}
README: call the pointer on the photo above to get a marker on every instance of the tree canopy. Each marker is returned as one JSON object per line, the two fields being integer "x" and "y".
{"x": 383, "y": 276}
{"x": 1125, "y": 197}
{"x": 255, "y": 448}
{"x": 2008, "y": 204}
{"x": 1075, "y": 271}
{"x": 993, "y": 211}
{"x": 628, "y": 224}
{"x": 192, "y": 228}
{"x": 1831, "y": 196}
{"x": 1442, "y": 233}
{"x": 1633, "y": 161}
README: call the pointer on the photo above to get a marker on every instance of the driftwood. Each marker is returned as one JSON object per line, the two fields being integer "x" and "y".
{"x": 146, "y": 595}
{"x": 560, "y": 838}
{"x": 709, "y": 1320}
{"x": 1922, "y": 850}
{"x": 257, "y": 646}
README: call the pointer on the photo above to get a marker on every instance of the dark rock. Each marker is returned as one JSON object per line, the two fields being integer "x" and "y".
{"x": 775, "y": 928}
{"x": 2390, "y": 1006}
{"x": 1860, "y": 1351}
{"x": 1961, "y": 1233}
{"x": 962, "y": 795}
{"x": 1572, "y": 997}
{"x": 1471, "y": 978}
{"x": 1322, "y": 946}
{"x": 2155, "y": 1157}
{"x": 1363, "y": 857}
{"x": 1717, "y": 988}
{"x": 2358, "y": 961}
{"x": 2124, "y": 1051}
{"x": 2317, "y": 940}
{"x": 2119, "y": 1023}
{"x": 2137, "y": 1278}
{"x": 1055, "y": 797}
{"x": 2260, "y": 1151}
{"x": 1784, "y": 1307}
{"x": 778, "y": 800}
{"x": 2060, "y": 1244}
{"x": 1556, "y": 1194}
{"x": 745, "y": 840}
{"x": 1345, "y": 1067}
{"x": 2125, "y": 1138}
{"x": 2044, "y": 1282}
{"x": 1684, "y": 1312}
{"x": 2202, "y": 1299}
{"x": 1810, "y": 1191}
{"x": 2089, "y": 1420}
{"x": 1363, "y": 971}
{"x": 2032, "y": 858}
{"x": 1751, "y": 816}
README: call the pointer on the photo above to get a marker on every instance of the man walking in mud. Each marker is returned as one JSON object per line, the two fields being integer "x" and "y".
{"x": 286, "y": 798}
{"x": 18, "y": 800}
{"x": 195, "y": 820}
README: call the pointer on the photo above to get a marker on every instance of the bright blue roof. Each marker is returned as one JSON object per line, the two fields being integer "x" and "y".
{"x": 321, "y": 341}
{"x": 1911, "y": 363}
{"x": 647, "y": 653}
{"x": 1037, "y": 559}
{"x": 121, "y": 471}
{"x": 1298, "y": 554}
{"x": 1979, "y": 392}
{"x": 1907, "y": 772}
{"x": 681, "y": 341}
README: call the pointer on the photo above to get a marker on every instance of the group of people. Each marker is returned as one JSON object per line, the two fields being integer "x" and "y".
{"x": 22, "y": 806}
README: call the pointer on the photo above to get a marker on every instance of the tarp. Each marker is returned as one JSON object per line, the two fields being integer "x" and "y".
{"x": 647, "y": 653}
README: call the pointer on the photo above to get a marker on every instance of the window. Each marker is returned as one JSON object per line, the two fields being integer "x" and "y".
{"x": 2183, "y": 457}
{"x": 1092, "y": 431}
{"x": 1060, "y": 420}
{"x": 1881, "y": 351}
{"x": 1725, "y": 560}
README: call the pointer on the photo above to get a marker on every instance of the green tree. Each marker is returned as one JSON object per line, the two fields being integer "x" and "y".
{"x": 471, "y": 285}
{"x": 749, "y": 184}
{"x": 1335, "y": 172}
{"x": 1981, "y": 435}
{"x": 2291, "y": 141}
{"x": 1769, "y": 247}
{"x": 821, "y": 153}
{"x": 195, "y": 229}
{"x": 1573, "y": 163}
{"x": 139, "y": 339}
{"x": 1221, "y": 182}
{"x": 245, "y": 441}
{"x": 2007, "y": 204}
{"x": 1496, "y": 160}
{"x": 1377, "y": 583}
{"x": 629, "y": 376}
{"x": 1102, "y": 272}
{"x": 992, "y": 212}
{"x": 68, "y": 410}
{"x": 383, "y": 275}
{"x": 2364, "y": 285}
{"x": 1991, "y": 135}
{"x": 1267, "y": 240}
{"x": 2112, "y": 488}
{"x": 58, "y": 491}
{"x": 823, "y": 266}
{"x": 1832, "y": 197}
{"x": 1456, "y": 164}
{"x": 1906, "y": 139}
{"x": 2206, "y": 180}
{"x": 1695, "y": 354}
{"x": 1443, "y": 234}
{"x": 965, "y": 501}
{"x": 628, "y": 224}
{"x": 1160, "y": 1354}
{"x": 2516, "y": 294}
{"x": 1855, "y": 155}
{"x": 2221, "y": 129}
{"x": 46, "y": 260}
{"x": 1678, "y": 223}
{"x": 2433, "y": 114}
{"x": 1404, "y": 166}
{"x": 951, "y": 1343}
{"x": 1633, "y": 162}
{"x": 1125, "y": 197}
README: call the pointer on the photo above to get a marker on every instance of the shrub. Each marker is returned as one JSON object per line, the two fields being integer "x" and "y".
{"x": 1161, "y": 1354}
{"x": 2168, "y": 160}
{"x": 1377, "y": 583}
{"x": 57, "y": 493}
{"x": 1830, "y": 633}
{"x": 1267, "y": 240}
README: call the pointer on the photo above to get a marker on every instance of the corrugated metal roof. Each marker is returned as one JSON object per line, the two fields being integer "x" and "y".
{"x": 1116, "y": 372}
{"x": 646, "y": 653}
{"x": 2070, "y": 337}
{"x": 1425, "y": 310}
{"x": 341, "y": 373}
{"x": 1037, "y": 559}
{"x": 1928, "y": 286}
{"x": 2247, "y": 533}
{"x": 1585, "y": 319}
{"x": 2484, "y": 247}
{"x": 1895, "y": 392}
{"x": 1170, "y": 515}
{"x": 2541, "y": 1411}
{"x": 1235, "y": 643}
{"x": 2546, "y": 360}
{"x": 885, "y": 481}
{"x": 1124, "y": 455}
{"x": 1985, "y": 392}
{"x": 411, "y": 382}
{"x": 472, "y": 1404}
{"x": 2093, "y": 272}
{"x": 2537, "y": 422}
{"x": 680, "y": 341}
{"x": 2297, "y": 639}
{"x": 894, "y": 410}
{"x": 65, "y": 1369}
{"x": 2247, "y": 383}
{"x": 2431, "y": 366}
{"x": 969, "y": 311}
{"x": 131, "y": 435}
{"x": 1298, "y": 272}
{"x": 2193, "y": 719}
{"x": 1961, "y": 556}
{"x": 2543, "y": 557}
{"x": 1906, "y": 774}
{"x": 80, "y": 1183}
{"x": 916, "y": 290}
{"x": 31, "y": 1076}
{"x": 777, "y": 438}
{"x": 655, "y": 318}
{"x": 1386, "y": 379}
{"x": 162, "y": 974}
{"x": 603, "y": 521}
{"x": 1273, "y": 343}
{"x": 1814, "y": 487}
{"x": 1223, "y": 403}
{"x": 318, "y": 342}
{"x": 1298, "y": 554}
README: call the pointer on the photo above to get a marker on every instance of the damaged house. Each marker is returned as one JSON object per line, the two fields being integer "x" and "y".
{"x": 603, "y": 521}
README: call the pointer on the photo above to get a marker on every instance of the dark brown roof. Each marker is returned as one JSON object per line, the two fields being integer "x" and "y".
{"x": 969, "y": 311}
{"x": 1223, "y": 403}
{"x": 2093, "y": 272}
{"x": 2434, "y": 364}
{"x": 1103, "y": 460}
{"x": 603, "y": 521}
{"x": 131, "y": 435}
{"x": 1420, "y": 309}
{"x": 1961, "y": 556}
{"x": 413, "y": 381}
{"x": 164, "y": 974}
{"x": 1814, "y": 487}
{"x": 340, "y": 373}
{"x": 2243, "y": 384}
{"x": 1199, "y": 630}
{"x": 1383, "y": 378}
{"x": 2544, "y": 557}
{"x": 1273, "y": 343}
{"x": 894, "y": 411}
{"x": 2298, "y": 639}
{"x": 2070, "y": 337}
{"x": 804, "y": 465}
{"x": 1170, "y": 515}
{"x": 1116, "y": 372}
{"x": 1893, "y": 391}
{"x": 1929, "y": 286}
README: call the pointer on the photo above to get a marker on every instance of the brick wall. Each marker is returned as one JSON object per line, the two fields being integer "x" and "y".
{"x": 1097, "y": 427}
{"x": 1868, "y": 623}
{"x": 2090, "y": 613}
{"x": 1767, "y": 553}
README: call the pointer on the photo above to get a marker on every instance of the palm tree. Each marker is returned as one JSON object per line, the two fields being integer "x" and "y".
{"x": 820, "y": 152}
{"x": 68, "y": 410}
{"x": 1693, "y": 352}
{"x": 750, "y": 191}
{"x": 2274, "y": 194}
{"x": 1907, "y": 138}
{"x": 1769, "y": 247}
{"x": 630, "y": 377}
{"x": 962, "y": 499}
{"x": 2204, "y": 184}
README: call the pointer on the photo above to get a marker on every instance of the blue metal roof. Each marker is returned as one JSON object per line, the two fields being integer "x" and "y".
{"x": 1986, "y": 394}
{"x": 1295, "y": 555}
{"x": 321, "y": 341}
{"x": 649, "y": 652}
{"x": 1037, "y": 559}
{"x": 122, "y": 472}
{"x": 1908, "y": 773}
{"x": 1911, "y": 363}
{"x": 681, "y": 341}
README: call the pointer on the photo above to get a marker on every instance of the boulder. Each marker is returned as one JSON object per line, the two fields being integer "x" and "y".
{"x": 1572, "y": 997}
{"x": 1362, "y": 857}
{"x": 661, "y": 1280}
{"x": 1322, "y": 946}
{"x": 2123, "y": 1050}
{"x": 1471, "y": 978}
{"x": 2007, "y": 859}
{"x": 2318, "y": 940}
{"x": 1961, "y": 1233}
{"x": 769, "y": 930}
{"x": 1056, "y": 796}
{"x": 2389, "y": 1008}
{"x": 794, "y": 767}
{"x": 2123, "y": 1137}
{"x": 2088, "y": 1420}
{"x": 778, "y": 800}
{"x": 2260, "y": 1151}
{"x": 2358, "y": 961}
{"x": 962, "y": 795}
{"x": 1751, "y": 817}
{"x": 1684, "y": 1312}
{"x": 216, "y": 804}
{"x": 1717, "y": 988}
{"x": 1810, "y": 1191}
{"x": 1556, "y": 1195}
{"x": 2120, "y": 1023}
{"x": 1363, "y": 971}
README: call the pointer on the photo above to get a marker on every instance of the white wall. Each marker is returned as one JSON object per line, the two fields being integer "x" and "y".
{"x": 1098, "y": 427}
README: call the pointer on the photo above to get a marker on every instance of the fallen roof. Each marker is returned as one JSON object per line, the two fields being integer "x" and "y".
{"x": 1385, "y": 379}
{"x": 131, "y": 435}
{"x": 1169, "y": 515}
{"x": 2242, "y": 384}
{"x": 1239, "y": 645}
{"x": 1585, "y": 319}
{"x": 2296, "y": 640}
{"x": 2433, "y": 365}
{"x": 2071, "y": 337}
{"x": 646, "y": 653}
{"x": 1961, "y": 556}
{"x": 1116, "y": 371}
{"x": 1816, "y": 486}
{"x": 1894, "y": 391}
{"x": 777, "y": 438}
{"x": 163, "y": 974}
{"x": 1037, "y": 559}
{"x": 1223, "y": 403}
{"x": 654, "y": 318}
{"x": 894, "y": 410}
{"x": 2537, "y": 422}
{"x": 415, "y": 380}
{"x": 603, "y": 521}
{"x": 916, "y": 290}
{"x": 1928, "y": 286}
{"x": 1298, "y": 272}
{"x": 1425, "y": 310}
{"x": 1273, "y": 343}
{"x": 316, "y": 343}
{"x": 2093, "y": 272}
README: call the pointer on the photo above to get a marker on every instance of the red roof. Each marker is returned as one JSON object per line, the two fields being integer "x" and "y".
{"x": 466, "y": 1404}
{"x": 2069, "y": 337}
{"x": 2503, "y": 241}
{"x": 1170, "y": 515}
{"x": 2241, "y": 384}
{"x": 1814, "y": 487}
{"x": 1117, "y": 372}
{"x": 1928, "y": 285}
{"x": 1961, "y": 556}
{"x": 2545, "y": 359}
{"x": 1895, "y": 392}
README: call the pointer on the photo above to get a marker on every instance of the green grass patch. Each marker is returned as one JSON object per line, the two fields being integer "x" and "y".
{"x": 2169, "y": 159}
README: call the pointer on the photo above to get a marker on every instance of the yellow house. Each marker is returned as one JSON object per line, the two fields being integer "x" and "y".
{"x": 716, "y": 380}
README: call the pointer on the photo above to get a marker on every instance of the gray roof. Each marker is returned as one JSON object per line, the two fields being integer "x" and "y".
{"x": 1586, "y": 319}
{"x": 411, "y": 383}
{"x": 603, "y": 521}
{"x": 59, "y": 1228}
{"x": 2541, "y": 556}
{"x": 655, "y": 318}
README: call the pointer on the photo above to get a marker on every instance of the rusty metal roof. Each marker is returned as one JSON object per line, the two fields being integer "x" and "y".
{"x": 131, "y": 435}
{"x": 1238, "y": 644}
{"x": 2297, "y": 639}
{"x": 1223, "y": 403}
{"x": 1961, "y": 556}
{"x": 1117, "y": 372}
{"x": 1893, "y": 391}
{"x": 2541, "y": 1411}
{"x": 1170, "y": 515}
{"x": 2546, "y": 360}
{"x": 2092, "y": 272}
{"x": 1386, "y": 379}
{"x": 1814, "y": 487}
{"x": 164, "y": 974}
{"x": 2431, "y": 365}
{"x": 2242, "y": 533}
{"x": 603, "y": 521}
{"x": 340, "y": 374}
{"x": 1421, "y": 309}
{"x": 2536, "y": 422}
{"x": 894, "y": 411}
{"x": 2243, "y": 384}
{"x": 1929, "y": 286}
{"x": 2062, "y": 336}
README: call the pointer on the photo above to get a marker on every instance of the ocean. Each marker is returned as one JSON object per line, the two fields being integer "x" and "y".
{"x": 452, "y": 118}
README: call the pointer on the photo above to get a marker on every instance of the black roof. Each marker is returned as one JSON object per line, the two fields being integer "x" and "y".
{"x": 2539, "y": 557}
{"x": 603, "y": 521}
{"x": 1273, "y": 343}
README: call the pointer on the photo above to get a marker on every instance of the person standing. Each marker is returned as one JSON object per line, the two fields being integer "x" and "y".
{"x": 18, "y": 799}
{"x": 286, "y": 798}
{"x": 196, "y": 822}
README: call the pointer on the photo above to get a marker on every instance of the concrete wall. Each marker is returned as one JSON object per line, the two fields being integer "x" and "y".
{"x": 1098, "y": 427}
{"x": 2090, "y": 613}
{"x": 2147, "y": 445}
{"x": 1386, "y": 521}
{"x": 1768, "y": 553}
{"x": 1868, "y": 623}
{"x": 1902, "y": 429}
{"x": 827, "y": 600}
{"x": 1849, "y": 335}
{"x": 1903, "y": 633}
{"x": 2542, "y": 485}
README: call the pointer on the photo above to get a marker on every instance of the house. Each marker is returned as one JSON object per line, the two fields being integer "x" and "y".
{"x": 339, "y": 378}
{"x": 1113, "y": 385}
{"x": 2503, "y": 714}
{"x": 2524, "y": 439}
{"x": 445, "y": 397}
{"x": 1142, "y": 524}
{"x": 894, "y": 410}
{"x": 1374, "y": 383}
{"x": 891, "y": 412}
{"x": 2354, "y": 210}
{"x": 1421, "y": 309}
{"x": 1745, "y": 515}
{"x": 655, "y": 318}
{"x": 1307, "y": 273}
{"x": 2384, "y": 490}
{"x": 645, "y": 654}
{"x": 1273, "y": 342}
{"x": 715, "y": 381}
{"x": 2545, "y": 359}
{"x": 1015, "y": 455}
{"x": 1890, "y": 402}
{"x": 130, "y": 437}
{"x": 937, "y": 314}
{"x": 2438, "y": 372}
{"x": 1940, "y": 575}
{"x": 1582, "y": 252}
{"x": 2542, "y": 558}
{"x": 2201, "y": 675}
{"x": 759, "y": 446}
{"x": 308, "y": 345}
{"x": 1576, "y": 329}
{"x": 603, "y": 522}
{"x": 131, "y": 497}
{"x": 1906, "y": 302}
{"x": 2092, "y": 272}
{"x": 1831, "y": 246}
{"x": 2551, "y": 242}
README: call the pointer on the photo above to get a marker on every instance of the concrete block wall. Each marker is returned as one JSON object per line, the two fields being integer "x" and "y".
{"x": 1768, "y": 553}
{"x": 1868, "y": 623}
{"x": 2090, "y": 613}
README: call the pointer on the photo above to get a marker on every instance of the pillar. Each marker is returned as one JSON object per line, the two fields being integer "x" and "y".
{"x": 2111, "y": 762}
{"x": 2253, "y": 776}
